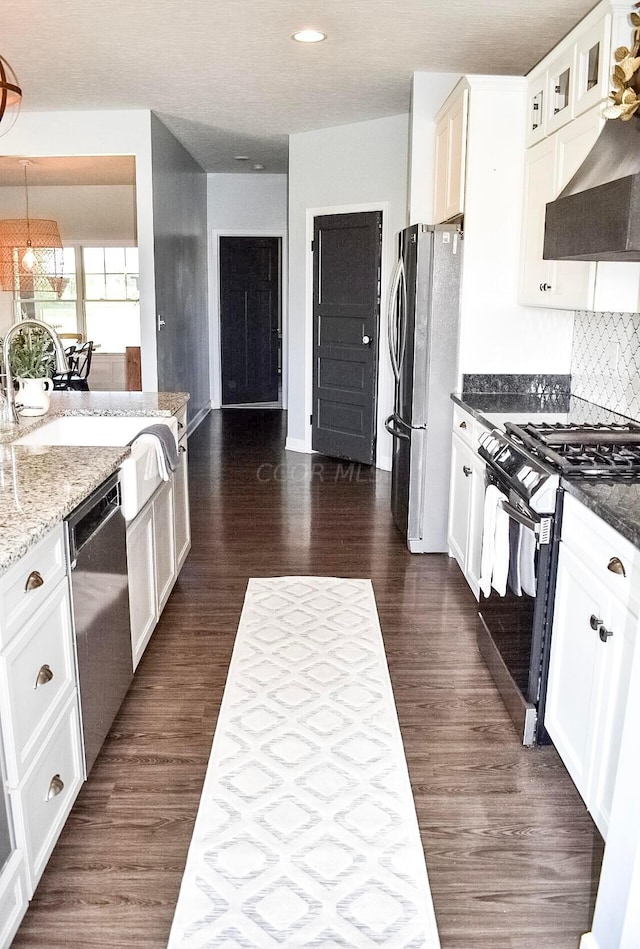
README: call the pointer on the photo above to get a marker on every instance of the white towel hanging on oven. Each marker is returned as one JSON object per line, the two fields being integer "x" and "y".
{"x": 528, "y": 561}
{"x": 494, "y": 561}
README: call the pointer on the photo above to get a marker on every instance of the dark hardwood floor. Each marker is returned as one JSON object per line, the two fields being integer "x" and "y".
{"x": 513, "y": 857}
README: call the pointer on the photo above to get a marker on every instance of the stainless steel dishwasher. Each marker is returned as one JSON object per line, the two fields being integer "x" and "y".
{"x": 100, "y": 597}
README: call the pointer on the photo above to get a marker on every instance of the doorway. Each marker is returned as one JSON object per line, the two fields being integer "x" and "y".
{"x": 250, "y": 270}
{"x": 347, "y": 256}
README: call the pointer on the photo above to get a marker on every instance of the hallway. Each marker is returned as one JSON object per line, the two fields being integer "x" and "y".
{"x": 513, "y": 857}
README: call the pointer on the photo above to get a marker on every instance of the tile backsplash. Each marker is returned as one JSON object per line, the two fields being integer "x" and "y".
{"x": 605, "y": 360}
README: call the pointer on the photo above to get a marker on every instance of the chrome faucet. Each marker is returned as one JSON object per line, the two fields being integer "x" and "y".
{"x": 61, "y": 360}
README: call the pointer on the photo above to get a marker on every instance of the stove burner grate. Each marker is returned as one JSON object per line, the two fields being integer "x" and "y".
{"x": 584, "y": 450}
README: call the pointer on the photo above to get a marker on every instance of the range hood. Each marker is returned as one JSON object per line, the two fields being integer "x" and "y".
{"x": 597, "y": 215}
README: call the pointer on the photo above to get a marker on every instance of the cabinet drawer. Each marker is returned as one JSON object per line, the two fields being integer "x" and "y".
{"x": 604, "y": 551}
{"x": 42, "y": 802}
{"x": 13, "y": 896}
{"x": 463, "y": 425}
{"x": 37, "y": 673}
{"x": 21, "y": 592}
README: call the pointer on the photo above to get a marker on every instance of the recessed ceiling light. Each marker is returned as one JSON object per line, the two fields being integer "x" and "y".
{"x": 258, "y": 167}
{"x": 308, "y": 36}
{"x": 241, "y": 157}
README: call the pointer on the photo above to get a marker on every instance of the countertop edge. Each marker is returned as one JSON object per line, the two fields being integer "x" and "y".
{"x": 26, "y": 521}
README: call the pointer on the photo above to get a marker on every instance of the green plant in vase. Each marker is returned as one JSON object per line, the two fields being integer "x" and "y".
{"x": 32, "y": 361}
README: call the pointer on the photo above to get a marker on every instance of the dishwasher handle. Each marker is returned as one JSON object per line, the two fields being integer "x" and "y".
{"x": 88, "y": 517}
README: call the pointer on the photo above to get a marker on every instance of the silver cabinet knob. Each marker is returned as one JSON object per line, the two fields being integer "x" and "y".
{"x": 545, "y": 286}
{"x": 595, "y": 622}
{"x": 366, "y": 340}
{"x": 55, "y": 787}
{"x": 34, "y": 580}
{"x": 615, "y": 565}
{"x": 467, "y": 470}
{"x": 44, "y": 675}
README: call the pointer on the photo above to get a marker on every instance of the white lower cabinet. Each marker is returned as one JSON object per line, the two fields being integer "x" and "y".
{"x": 164, "y": 546}
{"x": 158, "y": 541}
{"x": 13, "y": 897}
{"x": 143, "y": 601}
{"x": 466, "y": 512}
{"x": 181, "y": 516}
{"x": 41, "y": 803}
{"x": 39, "y": 718}
{"x": 591, "y": 648}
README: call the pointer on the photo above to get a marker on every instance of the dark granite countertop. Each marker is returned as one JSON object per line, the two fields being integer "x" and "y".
{"x": 617, "y": 503}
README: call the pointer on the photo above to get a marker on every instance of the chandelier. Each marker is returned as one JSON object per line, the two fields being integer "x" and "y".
{"x": 31, "y": 252}
{"x": 10, "y": 96}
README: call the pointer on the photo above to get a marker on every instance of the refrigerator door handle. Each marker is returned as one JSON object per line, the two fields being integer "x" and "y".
{"x": 390, "y": 425}
{"x": 402, "y": 319}
{"x": 392, "y": 317}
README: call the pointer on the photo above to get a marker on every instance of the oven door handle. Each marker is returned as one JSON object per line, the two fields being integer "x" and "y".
{"x": 520, "y": 517}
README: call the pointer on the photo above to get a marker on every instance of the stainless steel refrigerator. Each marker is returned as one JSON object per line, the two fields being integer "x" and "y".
{"x": 423, "y": 319}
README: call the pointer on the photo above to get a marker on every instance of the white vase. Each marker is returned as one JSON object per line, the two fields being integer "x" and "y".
{"x": 32, "y": 397}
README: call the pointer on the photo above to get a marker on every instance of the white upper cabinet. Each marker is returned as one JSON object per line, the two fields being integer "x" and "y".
{"x": 576, "y": 74}
{"x": 565, "y": 97}
{"x": 451, "y": 154}
{"x": 549, "y": 165}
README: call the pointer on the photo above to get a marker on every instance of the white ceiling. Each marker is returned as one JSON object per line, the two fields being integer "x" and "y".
{"x": 226, "y": 78}
{"x": 71, "y": 170}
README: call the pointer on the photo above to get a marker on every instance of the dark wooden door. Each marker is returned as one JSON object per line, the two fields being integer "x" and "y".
{"x": 346, "y": 316}
{"x": 249, "y": 318}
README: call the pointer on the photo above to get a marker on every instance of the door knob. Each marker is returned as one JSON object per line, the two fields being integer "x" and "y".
{"x": 366, "y": 340}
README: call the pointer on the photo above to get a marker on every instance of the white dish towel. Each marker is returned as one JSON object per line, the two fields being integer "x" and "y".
{"x": 528, "y": 561}
{"x": 494, "y": 562}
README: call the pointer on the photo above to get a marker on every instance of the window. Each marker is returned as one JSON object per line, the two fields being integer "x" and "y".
{"x": 96, "y": 296}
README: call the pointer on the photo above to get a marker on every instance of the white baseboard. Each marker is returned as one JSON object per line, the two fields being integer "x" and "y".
{"x": 197, "y": 419}
{"x": 297, "y": 444}
{"x": 384, "y": 462}
{"x": 588, "y": 941}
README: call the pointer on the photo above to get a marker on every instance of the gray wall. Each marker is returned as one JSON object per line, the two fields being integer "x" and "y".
{"x": 180, "y": 247}
{"x": 339, "y": 168}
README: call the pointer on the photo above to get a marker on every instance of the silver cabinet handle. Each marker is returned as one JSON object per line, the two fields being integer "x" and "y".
{"x": 34, "y": 580}
{"x": 604, "y": 634}
{"x": 545, "y": 286}
{"x": 462, "y": 425}
{"x": 181, "y": 449}
{"x": 595, "y": 622}
{"x": 467, "y": 470}
{"x": 366, "y": 340}
{"x": 44, "y": 675}
{"x": 615, "y": 565}
{"x": 55, "y": 787}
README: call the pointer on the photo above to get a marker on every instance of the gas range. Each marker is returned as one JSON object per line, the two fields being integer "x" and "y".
{"x": 532, "y": 457}
{"x": 584, "y": 450}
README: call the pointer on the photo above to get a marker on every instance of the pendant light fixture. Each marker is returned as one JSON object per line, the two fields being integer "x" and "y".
{"x": 10, "y": 96}
{"x": 30, "y": 251}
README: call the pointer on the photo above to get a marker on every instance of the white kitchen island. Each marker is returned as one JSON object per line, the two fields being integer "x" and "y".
{"x": 40, "y": 728}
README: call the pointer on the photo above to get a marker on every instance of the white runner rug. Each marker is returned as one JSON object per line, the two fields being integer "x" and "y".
{"x": 306, "y": 834}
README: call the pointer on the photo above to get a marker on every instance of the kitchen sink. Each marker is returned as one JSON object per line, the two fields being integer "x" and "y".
{"x": 139, "y": 473}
